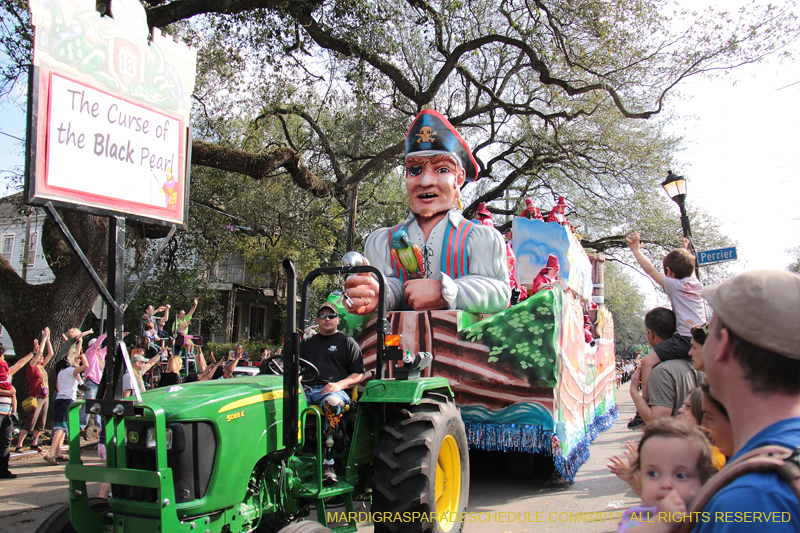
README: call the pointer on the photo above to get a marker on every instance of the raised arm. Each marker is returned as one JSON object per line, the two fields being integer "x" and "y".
{"x": 153, "y": 360}
{"x": 37, "y": 351}
{"x": 83, "y": 366}
{"x": 163, "y": 321}
{"x": 91, "y": 351}
{"x": 193, "y": 309}
{"x": 200, "y": 360}
{"x": 50, "y": 351}
{"x": 20, "y": 364}
{"x": 635, "y": 243}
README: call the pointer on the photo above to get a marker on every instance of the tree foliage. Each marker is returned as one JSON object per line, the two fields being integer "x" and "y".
{"x": 794, "y": 266}
{"x": 301, "y": 104}
{"x": 16, "y": 42}
{"x": 626, "y": 302}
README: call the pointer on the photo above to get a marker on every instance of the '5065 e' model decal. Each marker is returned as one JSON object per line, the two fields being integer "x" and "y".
{"x": 234, "y": 416}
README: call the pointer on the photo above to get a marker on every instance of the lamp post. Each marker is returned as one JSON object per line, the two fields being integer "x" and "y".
{"x": 676, "y": 189}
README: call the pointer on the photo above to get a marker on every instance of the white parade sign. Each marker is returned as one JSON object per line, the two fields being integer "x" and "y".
{"x": 124, "y": 151}
{"x": 109, "y": 113}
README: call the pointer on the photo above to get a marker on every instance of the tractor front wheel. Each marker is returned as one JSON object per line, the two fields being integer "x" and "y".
{"x": 59, "y": 522}
{"x": 306, "y": 526}
{"x": 421, "y": 466}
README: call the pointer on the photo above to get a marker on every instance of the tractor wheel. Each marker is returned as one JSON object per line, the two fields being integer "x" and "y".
{"x": 421, "y": 466}
{"x": 306, "y": 526}
{"x": 58, "y": 522}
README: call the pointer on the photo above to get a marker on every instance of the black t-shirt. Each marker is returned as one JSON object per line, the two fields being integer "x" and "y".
{"x": 336, "y": 356}
{"x": 168, "y": 379}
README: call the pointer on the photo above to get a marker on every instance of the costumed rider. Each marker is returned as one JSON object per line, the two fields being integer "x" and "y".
{"x": 548, "y": 276}
{"x": 557, "y": 213}
{"x": 483, "y": 216}
{"x": 435, "y": 258}
{"x": 531, "y": 212}
{"x": 338, "y": 358}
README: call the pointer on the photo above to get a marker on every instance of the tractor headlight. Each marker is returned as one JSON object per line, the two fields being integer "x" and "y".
{"x": 151, "y": 438}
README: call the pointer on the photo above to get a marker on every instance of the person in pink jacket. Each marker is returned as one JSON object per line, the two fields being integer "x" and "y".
{"x": 96, "y": 357}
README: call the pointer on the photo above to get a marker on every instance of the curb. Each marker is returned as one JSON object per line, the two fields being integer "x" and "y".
{"x": 32, "y": 453}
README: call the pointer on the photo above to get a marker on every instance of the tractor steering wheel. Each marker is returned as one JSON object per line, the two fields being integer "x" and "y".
{"x": 308, "y": 372}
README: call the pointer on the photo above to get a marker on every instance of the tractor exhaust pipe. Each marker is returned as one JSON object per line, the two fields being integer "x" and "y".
{"x": 291, "y": 369}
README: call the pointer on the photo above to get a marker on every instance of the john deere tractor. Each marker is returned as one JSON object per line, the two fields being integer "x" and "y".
{"x": 245, "y": 454}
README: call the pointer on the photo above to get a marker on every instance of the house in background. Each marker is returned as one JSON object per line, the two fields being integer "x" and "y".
{"x": 248, "y": 300}
{"x": 20, "y": 245}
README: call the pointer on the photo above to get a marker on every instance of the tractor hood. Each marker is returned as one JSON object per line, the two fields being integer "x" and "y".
{"x": 208, "y": 399}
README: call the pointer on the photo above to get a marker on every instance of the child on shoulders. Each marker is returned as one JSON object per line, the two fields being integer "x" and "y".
{"x": 684, "y": 292}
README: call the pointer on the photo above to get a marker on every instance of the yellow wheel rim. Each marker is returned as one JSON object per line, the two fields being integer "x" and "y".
{"x": 448, "y": 483}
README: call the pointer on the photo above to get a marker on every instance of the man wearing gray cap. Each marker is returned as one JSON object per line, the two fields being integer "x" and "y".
{"x": 752, "y": 358}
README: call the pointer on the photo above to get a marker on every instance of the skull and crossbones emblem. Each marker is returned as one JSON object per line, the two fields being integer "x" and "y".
{"x": 425, "y": 134}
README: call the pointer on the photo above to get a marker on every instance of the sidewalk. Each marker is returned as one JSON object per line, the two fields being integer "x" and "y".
{"x": 39, "y": 490}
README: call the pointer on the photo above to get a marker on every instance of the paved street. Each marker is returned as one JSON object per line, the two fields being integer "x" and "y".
{"x": 592, "y": 504}
{"x": 508, "y": 505}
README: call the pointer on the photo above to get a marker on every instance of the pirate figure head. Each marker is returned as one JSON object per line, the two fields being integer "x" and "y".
{"x": 438, "y": 162}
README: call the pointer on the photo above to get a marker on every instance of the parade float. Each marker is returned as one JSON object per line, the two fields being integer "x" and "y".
{"x": 526, "y": 379}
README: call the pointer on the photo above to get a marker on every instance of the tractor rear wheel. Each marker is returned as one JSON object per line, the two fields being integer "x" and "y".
{"x": 421, "y": 466}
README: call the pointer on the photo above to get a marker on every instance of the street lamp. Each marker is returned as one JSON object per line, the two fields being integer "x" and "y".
{"x": 676, "y": 189}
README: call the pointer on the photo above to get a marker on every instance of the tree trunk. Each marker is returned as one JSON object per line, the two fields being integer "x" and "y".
{"x": 25, "y": 309}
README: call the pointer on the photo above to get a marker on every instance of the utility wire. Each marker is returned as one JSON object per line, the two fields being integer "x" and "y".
{"x": 785, "y": 86}
{"x": 13, "y": 137}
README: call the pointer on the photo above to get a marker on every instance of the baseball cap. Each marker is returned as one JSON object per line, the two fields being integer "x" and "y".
{"x": 138, "y": 358}
{"x": 327, "y": 306}
{"x": 761, "y": 307}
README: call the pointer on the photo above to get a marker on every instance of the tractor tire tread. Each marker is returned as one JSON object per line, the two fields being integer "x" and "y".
{"x": 405, "y": 463}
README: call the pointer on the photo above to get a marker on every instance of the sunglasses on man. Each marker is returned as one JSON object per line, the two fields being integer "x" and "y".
{"x": 329, "y": 316}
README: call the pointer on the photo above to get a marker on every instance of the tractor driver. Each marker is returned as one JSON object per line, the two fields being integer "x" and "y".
{"x": 435, "y": 259}
{"x": 341, "y": 367}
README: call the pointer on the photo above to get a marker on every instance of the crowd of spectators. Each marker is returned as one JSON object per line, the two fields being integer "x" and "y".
{"x": 625, "y": 369}
{"x": 727, "y": 388}
{"x": 158, "y": 358}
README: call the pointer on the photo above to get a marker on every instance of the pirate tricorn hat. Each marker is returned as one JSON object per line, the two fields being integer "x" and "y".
{"x": 431, "y": 134}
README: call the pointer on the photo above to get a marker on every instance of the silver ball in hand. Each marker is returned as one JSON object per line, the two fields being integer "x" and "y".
{"x": 352, "y": 259}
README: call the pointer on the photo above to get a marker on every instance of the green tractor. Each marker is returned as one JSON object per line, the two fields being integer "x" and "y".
{"x": 245, "y": 454}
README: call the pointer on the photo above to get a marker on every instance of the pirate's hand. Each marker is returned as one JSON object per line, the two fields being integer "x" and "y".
{"x": 362, "y": 291}
{"x": 424, "y": 294}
